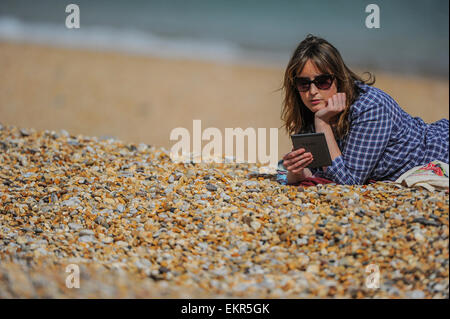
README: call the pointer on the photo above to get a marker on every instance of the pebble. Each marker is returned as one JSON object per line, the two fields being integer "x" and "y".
{"x": 86, "y": 239}
{"x": 211, "y": 187}
{"x": 121, "y": 243}
{"x": 419, "y": 236}
{"x": 250, "y": 184}
{"x": 74, "y": 201}
{"x": 417, "y": 294}
{"x": 75, "y": 226}
{"x": 425, "y": 221}
{"x": 86, "y": 232}
{"x": 107, "y": 240}
{"x": 142, "y": 147}
{"x": 203, "y": 230}
{"x": 440, "y": 287}
{"x": 225, "y": 197}
{"x": 255, "y": 225}
{"x": 120, "y": 208}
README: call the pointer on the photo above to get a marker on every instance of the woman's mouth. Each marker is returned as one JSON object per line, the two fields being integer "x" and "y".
{"x": 314, "y": 102}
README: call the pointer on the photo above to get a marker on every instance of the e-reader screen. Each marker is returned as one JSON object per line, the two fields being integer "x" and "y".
{"x": 316, "y": 144}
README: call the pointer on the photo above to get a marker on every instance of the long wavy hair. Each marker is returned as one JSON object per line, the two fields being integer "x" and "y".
{"x": 296, "y": 116}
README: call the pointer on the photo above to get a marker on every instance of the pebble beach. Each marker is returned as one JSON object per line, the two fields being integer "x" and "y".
{"x": 141, "y": 226}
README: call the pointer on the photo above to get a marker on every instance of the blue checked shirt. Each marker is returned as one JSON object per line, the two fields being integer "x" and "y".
{"x": 383, "y": 142}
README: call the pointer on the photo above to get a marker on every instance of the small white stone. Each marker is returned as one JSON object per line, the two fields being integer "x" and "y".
{"x": 75, "y": 226}
{"x": 255, "y": 225}
{"x": 86, "y": 232}
{"x": 142, "y": 147}
{"x": 107, "y": 240}
{"x": 417, "y": 294}
{"x": 312, "y": 269}
{"x": 418, "y": 236}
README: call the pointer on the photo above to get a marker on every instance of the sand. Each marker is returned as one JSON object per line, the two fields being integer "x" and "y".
{"x": 141, "y": 99}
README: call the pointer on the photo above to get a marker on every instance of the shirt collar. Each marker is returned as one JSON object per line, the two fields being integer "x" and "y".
{"x": 362, "y": 86}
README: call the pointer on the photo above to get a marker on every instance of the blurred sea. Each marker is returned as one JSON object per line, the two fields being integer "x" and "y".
{"x": 413, "y": 38}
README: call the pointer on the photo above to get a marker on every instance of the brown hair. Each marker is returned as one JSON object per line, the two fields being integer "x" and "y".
{"x": 296, "y": 116}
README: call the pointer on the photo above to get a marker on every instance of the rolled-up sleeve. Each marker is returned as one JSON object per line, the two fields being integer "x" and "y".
{"x": 368, "y": 137}
{"x": 282, "y": 173}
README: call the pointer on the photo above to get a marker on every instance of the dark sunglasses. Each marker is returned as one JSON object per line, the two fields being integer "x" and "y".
{"x": 322, "y": 82}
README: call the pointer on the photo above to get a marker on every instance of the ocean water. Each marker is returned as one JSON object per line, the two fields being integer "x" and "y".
{"x": 412, "y": 39}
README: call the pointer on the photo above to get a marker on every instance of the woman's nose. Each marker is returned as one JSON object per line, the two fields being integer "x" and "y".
{"x": 313, "y": 89}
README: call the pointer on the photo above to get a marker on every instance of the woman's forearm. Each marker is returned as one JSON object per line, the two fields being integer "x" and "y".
{"x": 325, "y": 128}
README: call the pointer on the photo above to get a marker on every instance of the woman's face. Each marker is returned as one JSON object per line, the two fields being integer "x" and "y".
{"x": 315, "y": 99}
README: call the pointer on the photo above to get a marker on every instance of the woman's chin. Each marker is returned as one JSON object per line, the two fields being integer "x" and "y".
{"x": 317, "y": 107}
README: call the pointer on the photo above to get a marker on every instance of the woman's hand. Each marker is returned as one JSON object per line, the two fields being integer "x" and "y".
{"x": 296, "y": 161}
{"x": 336, "y": 104}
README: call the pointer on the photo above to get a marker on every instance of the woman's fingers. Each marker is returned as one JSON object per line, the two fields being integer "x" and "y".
{"x": 292, "y": 163}
{"x": 342, "y": 97}
{"x": 330, "y": 103}
{"x": 298, "y": 170}
{"x": 335, "y": 105}
{"x": 335, "y": 101}
{"x": 293, "y": 154}
{"x": 339, "y": 101}
{"x": 299, "y": 163}
{"x": 293, "y": 160}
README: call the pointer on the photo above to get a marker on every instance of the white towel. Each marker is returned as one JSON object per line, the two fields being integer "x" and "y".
{"x": 432, "y": 176}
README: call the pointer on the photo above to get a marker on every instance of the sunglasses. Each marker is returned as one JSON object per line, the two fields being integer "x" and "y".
{"x": 322, "y": 82}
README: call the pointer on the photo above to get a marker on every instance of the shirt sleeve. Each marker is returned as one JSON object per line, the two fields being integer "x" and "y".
{"x": 369, "y": 134}
{"x": 282, "y": 173}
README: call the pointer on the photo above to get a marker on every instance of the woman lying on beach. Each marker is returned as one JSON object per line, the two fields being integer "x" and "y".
{"x": 370, "y": 137}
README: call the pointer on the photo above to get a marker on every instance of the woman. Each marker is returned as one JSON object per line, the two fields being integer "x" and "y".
{"x": 369, "y": 136}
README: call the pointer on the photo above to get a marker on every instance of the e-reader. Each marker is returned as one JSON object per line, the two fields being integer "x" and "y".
{"x": 316, "y": 144}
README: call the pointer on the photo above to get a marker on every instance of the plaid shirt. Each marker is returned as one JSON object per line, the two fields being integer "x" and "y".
{"x": 383, "y": 142}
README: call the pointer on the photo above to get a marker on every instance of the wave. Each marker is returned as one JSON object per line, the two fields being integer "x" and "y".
{"x": 134, "y": 41}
